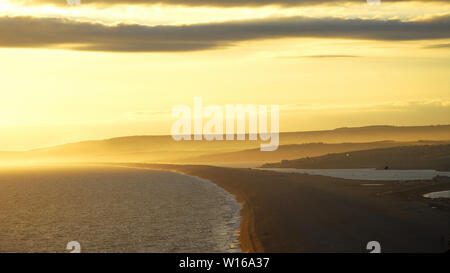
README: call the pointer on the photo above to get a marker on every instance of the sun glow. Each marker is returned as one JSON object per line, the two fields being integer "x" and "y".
{"x": 51, "y": 94}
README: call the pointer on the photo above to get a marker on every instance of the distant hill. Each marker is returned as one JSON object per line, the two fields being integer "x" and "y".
{"x": 295, "y": 151}
{"x": 435, "y": 157}
{"x": 371, "y": 134}
{"x": 165, "y": 149}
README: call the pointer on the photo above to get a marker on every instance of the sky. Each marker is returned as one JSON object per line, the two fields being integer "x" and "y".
{"x": 104, "y": 69}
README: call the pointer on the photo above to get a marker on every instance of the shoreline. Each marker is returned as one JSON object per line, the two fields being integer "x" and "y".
{"x": 248, "y": 242}
{"x": 232, "y": 236}
{"x": 307, "y": 213}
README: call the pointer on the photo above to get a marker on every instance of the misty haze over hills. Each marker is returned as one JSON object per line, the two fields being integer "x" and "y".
{"x": 295, "y": 151}
{"x": 434, "y": 157}
{"x": 293, "y": 145}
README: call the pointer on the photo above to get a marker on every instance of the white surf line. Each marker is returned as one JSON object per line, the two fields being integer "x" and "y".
{"x": 235, "y": 244}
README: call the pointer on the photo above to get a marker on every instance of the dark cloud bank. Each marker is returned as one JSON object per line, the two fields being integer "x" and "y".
{"x": 30, "y": 32}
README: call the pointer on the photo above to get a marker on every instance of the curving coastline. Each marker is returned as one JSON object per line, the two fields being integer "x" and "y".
{"x": 307, "y": 213}
{"x": 248, "y": 240}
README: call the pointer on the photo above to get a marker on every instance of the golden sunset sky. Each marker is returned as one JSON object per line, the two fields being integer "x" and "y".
{"x": 115, "y": 68}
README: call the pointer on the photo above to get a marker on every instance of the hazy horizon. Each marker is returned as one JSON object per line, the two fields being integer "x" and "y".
{"x": 105, "y": 69}
{"x": 281, "y": 132}
{"x": 292, "y": 145}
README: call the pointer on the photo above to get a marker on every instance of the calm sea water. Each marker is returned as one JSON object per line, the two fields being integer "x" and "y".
{"x": 366, "y": 174}
{"x": 110, "y": 209}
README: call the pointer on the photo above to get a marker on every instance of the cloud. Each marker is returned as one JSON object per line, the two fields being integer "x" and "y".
{"x": 383, "y": 107}
{"x": 321, "y": 116}
{"x": 437, "y": 46}
{"x": 221, "y": 3}
{"x": 321, "y": 56}
{"x": 32, "y": 32}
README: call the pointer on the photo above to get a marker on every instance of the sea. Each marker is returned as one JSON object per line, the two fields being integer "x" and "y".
{"x": 114, "y": 209}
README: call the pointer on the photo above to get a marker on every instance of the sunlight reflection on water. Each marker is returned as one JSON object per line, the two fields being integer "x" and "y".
{"x": 114, "y": 210}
